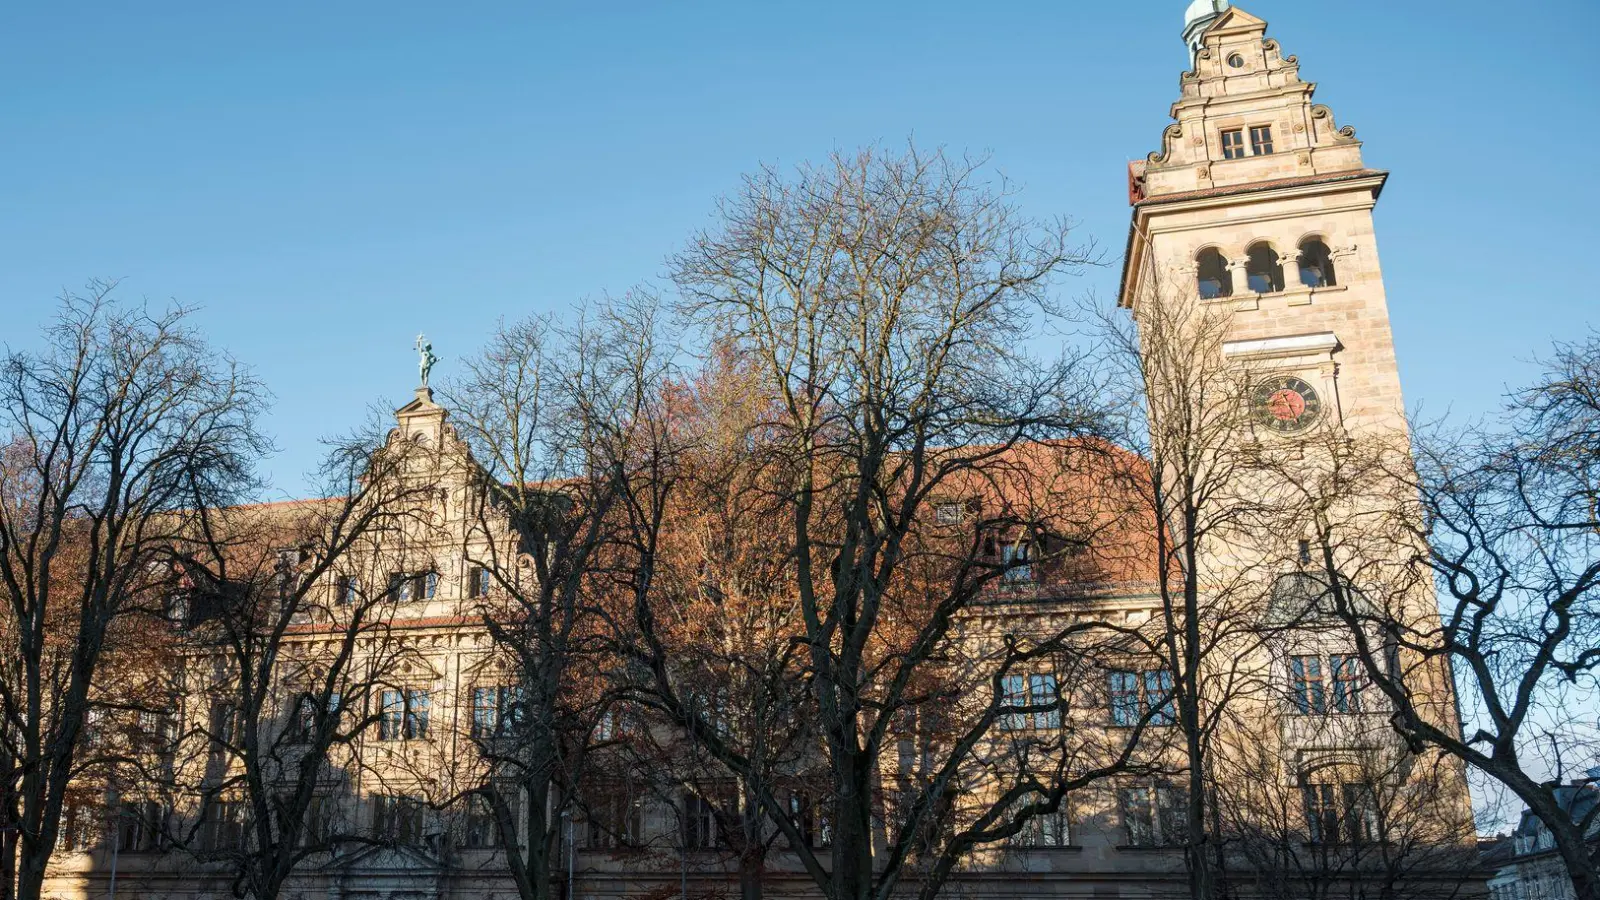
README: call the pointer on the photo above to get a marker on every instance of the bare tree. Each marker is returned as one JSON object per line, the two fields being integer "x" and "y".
{"x": 287, "y": 614}
{"x": 116, "y": 433}
{"x": 883, "y": 301}
{"x": 1505, "y": 523}
{"x": 1187, "y": 414}
{"x": 563, "y": 421}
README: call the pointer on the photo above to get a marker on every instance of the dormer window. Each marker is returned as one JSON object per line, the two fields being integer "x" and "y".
{"x": 1260, "y": 140}
{"x": 1233, "y": 143}
{"x": 1017, "y": 561}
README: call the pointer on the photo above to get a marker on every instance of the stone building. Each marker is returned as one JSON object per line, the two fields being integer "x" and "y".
{"x": 1527, "y": 865}
{"x": 1255, "y": 204}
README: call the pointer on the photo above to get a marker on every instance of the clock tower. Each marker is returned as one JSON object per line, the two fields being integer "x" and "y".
{"x": 1258, "y": 204}
{"x": 1252, "y": 259}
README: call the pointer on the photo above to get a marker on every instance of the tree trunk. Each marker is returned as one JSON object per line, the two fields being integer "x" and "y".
{"x": 1574, "y": 851}
{"x": 30, "y": 872}
{"x": 852, "y": 844}
{"x": 752, "y": 875}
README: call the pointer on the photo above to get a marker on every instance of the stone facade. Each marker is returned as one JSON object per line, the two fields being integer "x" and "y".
{"x": 1250, "y": 163}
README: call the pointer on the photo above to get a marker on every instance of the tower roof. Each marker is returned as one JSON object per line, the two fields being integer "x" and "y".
{"x": 1196, "y": 19}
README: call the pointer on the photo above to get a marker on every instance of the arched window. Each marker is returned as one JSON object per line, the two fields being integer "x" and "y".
{"x": 1214, "y": 277}
{"x": 1316, "y": 264}
{"x": 1266, "y": 276}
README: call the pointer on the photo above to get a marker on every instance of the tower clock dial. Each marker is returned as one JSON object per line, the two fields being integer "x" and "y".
{"x": 1286, "y": 404}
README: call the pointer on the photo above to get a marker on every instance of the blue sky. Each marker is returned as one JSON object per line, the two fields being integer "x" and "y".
{"x": 328, "y": 179}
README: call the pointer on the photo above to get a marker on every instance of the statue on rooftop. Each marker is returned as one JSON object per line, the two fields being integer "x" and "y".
{"x": 425, "y": 363}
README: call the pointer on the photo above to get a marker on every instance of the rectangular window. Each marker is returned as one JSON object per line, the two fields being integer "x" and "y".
{"x": 398, "y": 818}
{"x": 1052, "y": 829}
{"x": 1158, "y": 696}
{"x": 399, "y": 586}
{"x": 496, "y": 711}
{"x": 391, "y": 715}
{"x": 1347, "y": 678}
{"x": 485, "y": 712}
{"x": 701, "y": 831}
{"x": 1134, "y": 694}
{"x": 403, "y": 715}
{"x": 139, "y": 826}
{"x": 477, "y": 582}
{"x": 224, "y": 721}
{"x": 1042, "y": 694}
{"x": 1261, "y": 140}
{"x": 416, "y": 715}
{"x": 303, "y": 727}
{"x": 802, "y": 812}
{"x": 344, "y": 592}
{"x": 428, "y": 585}
{"x": 1124, "y": 691}
{"x": 1340, "y": 813}
{"x": 1233, "y": 143}
{"x": 224, "y": 826}
{"x": 318, "y": 827}
{"x": 1015, "y": 695}
{"x": 1305, "y": 683}
{"x": 1153, "y": 814}
{"x": 1015, "y": 558}
{"x": 79, "y": 828}
{"x": 482, "y": 833}
{"x": 1037, "y": 691}
{"x": 615, "y": 816}
{"x": 949, "y": 513}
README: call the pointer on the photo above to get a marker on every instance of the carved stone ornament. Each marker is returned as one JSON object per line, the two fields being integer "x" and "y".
{"x": 1169, "y": 138}
{"x": 1320, "y": 111}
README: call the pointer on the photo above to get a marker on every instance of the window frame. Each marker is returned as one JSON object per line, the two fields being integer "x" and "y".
{"x": 1130, "y": 705}
{"x": 404, "y": 714}
{"x": 1233, "y": 143}
{"x": 401, "y": 818}
{"x": 1154, "y": 813}
{"x": 1016, "y": 561}
{"x": 1261, "y": 137}
{"x": 1046, "y": 831}
{"x": 1347, "y": 809}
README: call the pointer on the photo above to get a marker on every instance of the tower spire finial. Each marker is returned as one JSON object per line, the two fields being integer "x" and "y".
{"x": 1196, "y": 20}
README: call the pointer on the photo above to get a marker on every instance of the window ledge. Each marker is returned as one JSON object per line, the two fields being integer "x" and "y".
{"x": 1299, "y": 295}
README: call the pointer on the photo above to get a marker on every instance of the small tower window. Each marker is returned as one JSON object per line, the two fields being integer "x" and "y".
{"x": 1233, "y": 143}
{"x": 1316, "y": 264}
{"x": 1214, "y": 277}
{"x": 1260, "y": 140}
{"x": 1265, "y": 275}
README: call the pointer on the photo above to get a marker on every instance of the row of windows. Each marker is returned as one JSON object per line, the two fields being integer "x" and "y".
{"x": 1133, "y": 695}
{"x": 1233, "y": 141}
{"x": 1152, "y": 813}
{"x": 404, "y": 714}
{"x": 1318, "y": 685}
{"x": 408, "y": 586}
{"x": 1263, "y": 269}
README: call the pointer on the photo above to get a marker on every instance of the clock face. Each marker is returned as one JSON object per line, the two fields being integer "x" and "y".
{"x": 1286, "y": 404}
